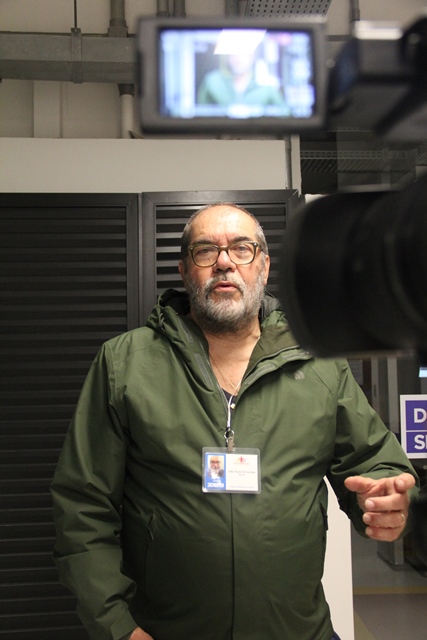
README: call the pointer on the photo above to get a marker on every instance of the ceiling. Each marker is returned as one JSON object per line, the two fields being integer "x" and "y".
{"x": 336, "y": 158}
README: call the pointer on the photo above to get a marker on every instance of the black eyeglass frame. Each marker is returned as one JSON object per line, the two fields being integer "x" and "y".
{"x": 226, "y": 248}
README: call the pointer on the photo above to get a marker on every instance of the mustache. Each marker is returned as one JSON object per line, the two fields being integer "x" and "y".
{"x": 212, "y": 282}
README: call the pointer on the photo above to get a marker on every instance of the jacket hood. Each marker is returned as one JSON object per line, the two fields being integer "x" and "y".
{"x": 173, "y": 306}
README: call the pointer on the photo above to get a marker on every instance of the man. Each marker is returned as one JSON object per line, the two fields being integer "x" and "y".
{"x": 216, "y": 370}
{"x": 234, "y": 83}
{"x": 215, "y": 472}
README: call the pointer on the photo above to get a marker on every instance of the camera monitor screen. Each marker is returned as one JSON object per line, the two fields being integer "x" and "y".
{"x": 262, "y": 76}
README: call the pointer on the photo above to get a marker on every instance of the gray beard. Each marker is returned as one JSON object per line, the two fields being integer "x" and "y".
{"x": 225, "y": 315}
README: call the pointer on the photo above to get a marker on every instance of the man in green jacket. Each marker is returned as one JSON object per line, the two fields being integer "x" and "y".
{"x": 150, "y": 543}
{"x": 234, "y": 83}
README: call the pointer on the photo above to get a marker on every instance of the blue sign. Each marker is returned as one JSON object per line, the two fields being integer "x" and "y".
{"x": 413, "y": 419}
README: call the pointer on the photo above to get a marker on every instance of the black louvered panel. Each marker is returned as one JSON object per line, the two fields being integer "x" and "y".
{"x": 272, "y": 218}
{"x": 170, "y": 223}
{"x": 64, "y": 290}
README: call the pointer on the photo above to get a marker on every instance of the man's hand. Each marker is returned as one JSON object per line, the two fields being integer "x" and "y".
{"x": 385, "y": 504}
{"x": 139, "y": 634}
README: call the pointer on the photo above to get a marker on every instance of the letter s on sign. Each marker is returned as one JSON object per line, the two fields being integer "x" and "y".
{"x": 421, "y": 441}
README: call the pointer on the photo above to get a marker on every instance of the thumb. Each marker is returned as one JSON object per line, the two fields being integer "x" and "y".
{"x": 358, "y": 484}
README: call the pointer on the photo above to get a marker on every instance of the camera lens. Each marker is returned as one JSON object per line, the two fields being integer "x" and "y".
{"x": 354, "y": 272}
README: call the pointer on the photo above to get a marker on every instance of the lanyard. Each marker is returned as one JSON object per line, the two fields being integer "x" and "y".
{"x": 229, "y": 433}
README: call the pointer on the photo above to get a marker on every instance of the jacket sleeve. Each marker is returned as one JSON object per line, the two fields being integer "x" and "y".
{"x": 87, "y": 490}
{"x": 364, "y": 446}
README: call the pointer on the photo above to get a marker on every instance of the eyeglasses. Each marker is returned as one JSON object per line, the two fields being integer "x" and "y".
{"x": 206, "y": 255}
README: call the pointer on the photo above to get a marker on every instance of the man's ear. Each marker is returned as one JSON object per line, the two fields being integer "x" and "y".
{"x": 266, "y": 269}
{"x": 181, "y": 269}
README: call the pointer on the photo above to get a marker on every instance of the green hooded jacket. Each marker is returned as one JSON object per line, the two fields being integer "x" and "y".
{"x": 140, "y": 543}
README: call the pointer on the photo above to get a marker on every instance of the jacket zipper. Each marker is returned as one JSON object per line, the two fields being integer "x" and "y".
{"x": 304, "y": 355}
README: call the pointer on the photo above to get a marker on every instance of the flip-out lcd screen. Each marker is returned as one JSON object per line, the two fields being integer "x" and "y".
{"x": 209, "y": 77}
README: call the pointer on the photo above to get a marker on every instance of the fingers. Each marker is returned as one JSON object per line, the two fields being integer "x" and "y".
{"x": 367, "y": 488}
{"x": 385, "y": 526}
{"x": 394, "y": 502}
{"x": 383, "y": 535}
{"x": 390, "y": 520}
{"x": 385, "y": 503}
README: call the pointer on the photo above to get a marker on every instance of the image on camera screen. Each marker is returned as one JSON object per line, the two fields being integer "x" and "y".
{"x": 236, "y": 73}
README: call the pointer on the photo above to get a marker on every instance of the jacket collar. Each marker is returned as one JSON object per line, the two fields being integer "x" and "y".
{"x": 171, "y": 315}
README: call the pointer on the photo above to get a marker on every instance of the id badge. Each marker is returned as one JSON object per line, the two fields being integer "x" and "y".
{"x": 237, "y": 471}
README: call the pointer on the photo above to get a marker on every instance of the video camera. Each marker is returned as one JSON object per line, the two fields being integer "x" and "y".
{"x": 354, "y": 265}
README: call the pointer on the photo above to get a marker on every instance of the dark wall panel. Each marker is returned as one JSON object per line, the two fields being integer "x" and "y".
{"x": 64, "y": 289}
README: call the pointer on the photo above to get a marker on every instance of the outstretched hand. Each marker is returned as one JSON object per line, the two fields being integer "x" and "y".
{"x": 385, "y": 504}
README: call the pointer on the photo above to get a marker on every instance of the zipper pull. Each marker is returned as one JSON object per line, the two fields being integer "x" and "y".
{"x": 229, "y": 439}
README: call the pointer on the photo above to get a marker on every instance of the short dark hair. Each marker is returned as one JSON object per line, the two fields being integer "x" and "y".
{"x": 186, "y": 234}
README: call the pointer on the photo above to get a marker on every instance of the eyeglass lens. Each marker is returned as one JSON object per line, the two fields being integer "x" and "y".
{"x": 207, "y": 254}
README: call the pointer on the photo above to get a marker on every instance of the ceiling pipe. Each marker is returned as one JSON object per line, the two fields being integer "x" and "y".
{"x": 179, "y": 8}
{"x": 162, "y": 8}
{"x": 354, "y": 13}
{"x": 118, "y": 29}
{"x": 127, "y": 93}
{"x": 232, "y": 7}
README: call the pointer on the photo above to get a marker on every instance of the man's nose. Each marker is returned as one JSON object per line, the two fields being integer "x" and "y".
{"x": 223, "y": 263}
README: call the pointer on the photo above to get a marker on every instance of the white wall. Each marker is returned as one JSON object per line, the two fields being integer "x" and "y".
{"x": 122, "y": 166}
{"x": 338, "y": 579}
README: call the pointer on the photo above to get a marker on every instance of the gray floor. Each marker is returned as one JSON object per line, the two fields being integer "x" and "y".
{"x": 389, "y": 603}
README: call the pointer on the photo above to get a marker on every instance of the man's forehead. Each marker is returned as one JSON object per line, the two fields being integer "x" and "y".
{"x": 223, "y": 219}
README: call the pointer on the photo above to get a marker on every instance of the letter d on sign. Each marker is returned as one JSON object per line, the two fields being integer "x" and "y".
{"x": 420, "y": 415}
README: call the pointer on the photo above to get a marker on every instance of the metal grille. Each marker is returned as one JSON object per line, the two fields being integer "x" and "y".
{"x": 356, "y": 160}
{"x": 271, "y": 8}
{"x": 65, "y": 289}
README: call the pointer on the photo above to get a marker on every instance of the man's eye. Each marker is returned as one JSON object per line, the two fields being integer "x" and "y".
{"x": 241, "y": 248}
{"x": 204, "y": 251}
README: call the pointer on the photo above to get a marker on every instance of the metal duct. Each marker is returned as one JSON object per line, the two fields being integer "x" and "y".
{"x": 68, "y": 58}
